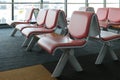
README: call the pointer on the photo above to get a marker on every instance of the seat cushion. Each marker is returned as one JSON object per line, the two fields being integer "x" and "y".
{"x": 103, "y": 24}
{"x": 13, "y": 24}
{"x": 34, "y": 31}
{"x": 52, "y": 42}
{"x": 22, "y": 26}
{"x": 109, "y": 36}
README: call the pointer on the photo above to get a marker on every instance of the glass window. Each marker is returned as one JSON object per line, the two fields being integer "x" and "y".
{"x": 5, "y": 12}
{"x": 95, "y": 1}
{"x": 53, "y": 6}
{"x": 56, "y": 4}
{"x": 112, "y": 1}
{"x": 19, "y": 10}
{"x": 96, "y": 6}
{"x": 76, "y": 1}
{"x": 53, "y": 1}
{"x": 27, "y": 0}
{"x": 73, "y": 7}
{"x": 5, "y": 0}
{"x": 112, "y": 5}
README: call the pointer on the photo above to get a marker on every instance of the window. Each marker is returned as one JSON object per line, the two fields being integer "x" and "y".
{"x": 19, "y": 9}
{"x": 95, "y": 1}
{"x": 20, "y": 5}
{"x": 23, "y": 1}
{"x": 76, "y": 1}
{"x": 73, "y": 5}
{"x": 53, "y": 4}
{"x": 5, "y": 0}
{"x": 96, "y": 4}
{"x": 53, "y": 1}
{"x": 112, "y": 3}
{"x": 5, "y": 11}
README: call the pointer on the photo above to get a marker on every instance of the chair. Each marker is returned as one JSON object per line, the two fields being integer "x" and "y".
{"x": 52, "y": 20}
{"x": 102, "y": 14}
{"x": 28, "y": 17}
{"x": 85, "y": 9}
{"x": 40, "y": 20}
{"x": 105, "y": 37}
{"x": 88, "y": 9}
{"x": 114, "y": 19}
{"x": 79, "y": 30}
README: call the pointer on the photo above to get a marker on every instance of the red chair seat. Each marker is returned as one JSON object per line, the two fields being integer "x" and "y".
{"x": 58, "y": 41}
{"x": 102, "y": 14}
{"x": 40, "y": 20}
{"x": 57, "y": 18}
{"x": 107, "y": 36}
{"x": 103, "y": 24}
{"x": 22, "y": 26}
{"x": 28, "y": 17}
{"x": 29, "y": 31}
{"x": 78, "y": 32}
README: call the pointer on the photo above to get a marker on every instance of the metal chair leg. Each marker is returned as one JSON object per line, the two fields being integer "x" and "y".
{"x": 26, "y": 42}
{"x": 13, "y": 32}
{"x": 74, "y": 61}
{"x": 67, "y": 55}
{"x": 59, "y": 68}
{"x": 114, "y": 57}
{"x": 32, "y": 43}
{"x": 102, "y": 54}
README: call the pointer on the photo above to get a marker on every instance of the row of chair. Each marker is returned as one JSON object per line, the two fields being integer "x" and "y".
{"x": 82, "y": 26}
{"x": 52, "y": 33}
{"x": 109, "y": 18}
{"x": 29, "y": 14}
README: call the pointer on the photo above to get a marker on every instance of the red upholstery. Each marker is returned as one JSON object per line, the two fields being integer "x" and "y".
{"x": 39, "y": 21}
{"x": 105, "y": 37}
{"x": 50, "y": 24}
{"x": 102, "y": 14}
{"x": 28, "y": 17}
{"x": 113, "y": 15}
{"x": 109, "y": 17}
{"x": 54, "y": 18}
{"x": 51, "y": 43}
{"x": 108, "y": 36}
{"x": 61, "y": 28}
{"x": 22, "y": 26}
{"x": 34, "y": 31}
{"x": 78, "y": 29}
{"x": 79, "y": 26}
{"x": 53, "y": 14}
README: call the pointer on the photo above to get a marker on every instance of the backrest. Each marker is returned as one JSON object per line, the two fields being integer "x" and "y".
{"x": 102, "y": 14}
{"x": 36, "y": 11}
{"x": 114, "y": 15}
{"x": 51, "y": 18}
{"x": 28, "y": 14}
{"x": 61, "y": 27}
{"x": 94, "y": 27}
{"x": 88, "y": 9}
{"x": 80, "y": 24}
{"x": 41, "y": 17}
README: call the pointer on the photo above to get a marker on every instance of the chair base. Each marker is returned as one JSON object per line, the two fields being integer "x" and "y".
{"x": 67, "y": 55}
{"x": 13, "y": 32}
{"x": 106, "y": 47}
{"x": 32, "y": 43}
{"x": 26, "y": 41}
